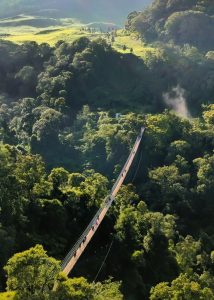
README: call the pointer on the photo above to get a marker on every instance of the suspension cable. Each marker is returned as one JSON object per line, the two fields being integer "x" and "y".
{"x": 137, "y": 169}
{"x": 104, "y": 260}
{"x": 74, "y": 254}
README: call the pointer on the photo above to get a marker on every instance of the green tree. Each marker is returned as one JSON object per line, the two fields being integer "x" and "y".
{"x": 187, "y": 251}
{"x": 181, "y": 288}
{"x": 107, "y": 290}
{"x": 170, "y": 186}
{"x": 32, "y": 273}
{"x": 74, "y": 289}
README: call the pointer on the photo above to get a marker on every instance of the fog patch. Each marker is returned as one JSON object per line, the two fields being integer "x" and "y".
{"x": 175, "y": 99}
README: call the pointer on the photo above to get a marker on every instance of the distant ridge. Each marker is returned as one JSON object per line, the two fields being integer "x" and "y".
{"x": 112, "y": 11}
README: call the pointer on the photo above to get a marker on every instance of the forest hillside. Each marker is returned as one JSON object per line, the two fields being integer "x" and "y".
{"x": 182, "y": 22}
{"x": 70, "y": 112}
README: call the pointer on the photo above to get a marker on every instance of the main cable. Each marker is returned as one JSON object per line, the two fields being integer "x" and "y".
{"x": 74, "y": 254}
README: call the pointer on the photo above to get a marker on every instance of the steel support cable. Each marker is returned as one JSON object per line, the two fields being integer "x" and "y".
{"x": 138, "y": 166}
{"x": 104, "y": 260}
{"x": 70, "y": 260}
{"x": 124, "y": 168}
{"x": 79, "y": 241}
{"x": 85, "y": 232}
{"x": 111, "y": 244}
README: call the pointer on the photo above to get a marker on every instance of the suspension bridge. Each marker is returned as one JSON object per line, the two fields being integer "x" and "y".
{"x": 77, "y": 250}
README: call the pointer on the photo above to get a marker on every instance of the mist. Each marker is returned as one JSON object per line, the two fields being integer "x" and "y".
{"x": 114, "y": 11}
{"x": 175, "y": 100}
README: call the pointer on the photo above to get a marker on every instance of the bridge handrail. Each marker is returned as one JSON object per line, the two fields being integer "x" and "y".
{"x": 127, "y": 161}
{"x": 85, "y": 232}
{"x": 105, "y": 204}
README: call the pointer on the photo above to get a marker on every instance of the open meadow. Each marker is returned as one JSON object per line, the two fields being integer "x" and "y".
{"x": 23, "y": 28}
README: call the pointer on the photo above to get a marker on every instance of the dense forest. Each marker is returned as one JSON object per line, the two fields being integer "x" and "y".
{"x": 180, "y": 22}
{"x": 62, "y": 147}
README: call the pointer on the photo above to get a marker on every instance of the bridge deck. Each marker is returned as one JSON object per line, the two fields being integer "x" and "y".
{"x": 81, "y": 244}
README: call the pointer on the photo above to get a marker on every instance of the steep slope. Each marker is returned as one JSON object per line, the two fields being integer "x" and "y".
{"x": 183, "y": 22}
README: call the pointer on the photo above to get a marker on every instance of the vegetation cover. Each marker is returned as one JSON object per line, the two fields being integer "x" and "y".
{"x": 178, "y": 21}
{"x": 62, "y": 148}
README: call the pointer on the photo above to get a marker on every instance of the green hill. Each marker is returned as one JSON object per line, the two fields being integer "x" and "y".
{"x": 73, "y": 98}
{"x": 180, "y": 22}
{"x": 93, "y": 10}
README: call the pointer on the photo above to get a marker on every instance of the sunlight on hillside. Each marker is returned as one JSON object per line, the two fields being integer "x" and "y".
{"x": 131, "y": 42}
{"x": 106, "y": 132}
{"x": 51, "y": 35}
{"x": 7, "y": 296}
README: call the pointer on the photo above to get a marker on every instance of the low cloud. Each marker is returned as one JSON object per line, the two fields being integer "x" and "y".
{"x": 175, "y": 99}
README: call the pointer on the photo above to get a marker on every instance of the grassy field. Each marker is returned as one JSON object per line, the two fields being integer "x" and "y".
{"x": 131, "y": 42}
{"x": 49, "y": 35}
{"x": 7, "y": 296}
{"x": 69, "y": 32}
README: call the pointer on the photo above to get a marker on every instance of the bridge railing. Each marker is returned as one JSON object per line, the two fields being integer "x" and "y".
{"x": 105, "y": 204}
{"x": 127, "y": 161}
{"x": 84, "y": 234}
